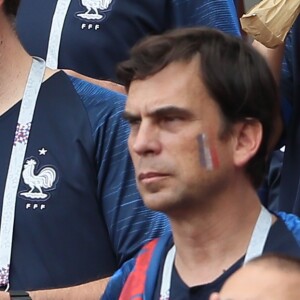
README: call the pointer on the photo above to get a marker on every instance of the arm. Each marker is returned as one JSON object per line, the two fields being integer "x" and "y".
{"x": 272, "y": 56}
{"x": 104, "y": 83}
{"x": 90, "y": 291}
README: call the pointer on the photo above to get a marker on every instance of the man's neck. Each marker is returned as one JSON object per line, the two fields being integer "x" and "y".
{"x": 15, "y": 64}
{"x": 212, "y": 240}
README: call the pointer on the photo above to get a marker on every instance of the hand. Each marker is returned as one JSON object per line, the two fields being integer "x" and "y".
{"x": 4, "y": 296}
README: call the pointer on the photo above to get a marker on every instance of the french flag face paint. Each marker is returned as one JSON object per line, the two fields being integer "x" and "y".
{"x": 208, "y": 155}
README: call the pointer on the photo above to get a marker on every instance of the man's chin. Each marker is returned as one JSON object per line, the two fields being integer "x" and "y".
{"x": 158, "y": 202}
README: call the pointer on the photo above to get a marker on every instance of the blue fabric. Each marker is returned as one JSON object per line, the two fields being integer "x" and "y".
{"x": 125, "y": 214}
{"x": 293, "y": 224}
{"x": 91, "y": 218}
{"x": 117, "y": 281}
{"x": 95, "y": 47}
{"x": 281, "y": 239}
{"x": 288, "y": 197}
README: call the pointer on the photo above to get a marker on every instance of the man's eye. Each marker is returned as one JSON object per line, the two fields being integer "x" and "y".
{"x": 172, "y": 119}
{"x": 134, "y": 123}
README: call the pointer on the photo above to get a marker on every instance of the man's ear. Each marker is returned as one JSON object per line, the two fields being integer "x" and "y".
{"x": 248, "y": 136}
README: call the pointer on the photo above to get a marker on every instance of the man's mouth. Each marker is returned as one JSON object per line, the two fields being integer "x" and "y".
{"x": 151, "y": 176}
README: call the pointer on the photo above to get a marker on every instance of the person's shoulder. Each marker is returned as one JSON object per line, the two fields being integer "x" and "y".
{"x": 92, "y": 94}
{"x": 156, "y": 248}
{"x": 101, "y": 105}
{"x": 97, "y": 101}
{"x": 149, "y": 257}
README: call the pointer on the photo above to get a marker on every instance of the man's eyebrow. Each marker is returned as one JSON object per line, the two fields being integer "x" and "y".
{"x": 160, "y": 113}
{"x": 170, "y": 110}
{"x": 128, "y": 116}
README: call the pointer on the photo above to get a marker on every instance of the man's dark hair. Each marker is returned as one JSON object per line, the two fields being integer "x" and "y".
{"x": 234, "y": 74}
{"x": 11, "y": 7}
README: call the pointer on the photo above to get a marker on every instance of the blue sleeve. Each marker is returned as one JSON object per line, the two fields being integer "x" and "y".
{"x": 117, "y": 281}
{"x": 129, "y": 223}
{"x": 219, "y": 14}
{"x": 293, "y": 224}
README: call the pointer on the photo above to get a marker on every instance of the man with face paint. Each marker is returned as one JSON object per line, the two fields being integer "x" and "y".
{"x": 281, "y": 280}
{"x": 201, "y": 107}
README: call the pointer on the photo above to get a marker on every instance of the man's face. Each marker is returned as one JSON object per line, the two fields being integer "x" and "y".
{"x": 261, "y": 282}
{"x": 175, "y": 142}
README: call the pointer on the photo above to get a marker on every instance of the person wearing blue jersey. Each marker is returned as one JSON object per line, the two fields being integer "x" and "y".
{"x": 201, "y": 107}
{"x": 70, "y": 212}
{"x": 282, "y": 190}
{"x": 92, "y": 36}
{"x": 285, "y": 186}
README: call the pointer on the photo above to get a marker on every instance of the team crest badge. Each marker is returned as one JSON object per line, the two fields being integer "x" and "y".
{"x": 38, "y": 181}
{"x": 92, "y": 9}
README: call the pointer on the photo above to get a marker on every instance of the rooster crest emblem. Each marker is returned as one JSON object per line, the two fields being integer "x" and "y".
{"x": 93, "y": 7}
{"x": 44, "y": 179}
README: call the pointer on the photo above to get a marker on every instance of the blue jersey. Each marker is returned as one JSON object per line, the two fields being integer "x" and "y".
{"x": 95, "y": 39}
{"x": 89, "y": 218}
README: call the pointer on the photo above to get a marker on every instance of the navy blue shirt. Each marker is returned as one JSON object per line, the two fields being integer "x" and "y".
{"x": 286, "y": 244}
{"x": 284, "y": 174}
{"x": 94, "y": 47}
{"x": 88, "y": 218}
{"x": 280, "y": 240}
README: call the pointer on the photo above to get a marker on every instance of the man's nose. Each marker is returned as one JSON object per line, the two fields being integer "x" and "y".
{"x": 146, "y": 140}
